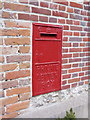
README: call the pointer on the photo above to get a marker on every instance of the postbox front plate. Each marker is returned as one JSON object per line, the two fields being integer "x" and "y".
{"x": 46, "y": 59}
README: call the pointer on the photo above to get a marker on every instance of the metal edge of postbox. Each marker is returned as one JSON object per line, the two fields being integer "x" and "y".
{"x": 33, "y": 37}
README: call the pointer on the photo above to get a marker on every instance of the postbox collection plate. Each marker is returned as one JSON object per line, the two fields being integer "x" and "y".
{"x": 46, "y": 58}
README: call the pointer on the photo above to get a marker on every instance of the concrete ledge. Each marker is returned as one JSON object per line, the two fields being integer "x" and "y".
{"x": 55, "y": 110}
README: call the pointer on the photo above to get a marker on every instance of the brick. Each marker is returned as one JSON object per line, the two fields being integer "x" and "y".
{"x": 60, "y": 14}
{"x": 76, "y": 55}
{"x": 53, "y": 6}
{"x": 74, "y": 85}
{"x": 66, "y": 76}
{"x": 1, "y": 93}
{"x": 17, "y": 74}
{"x": 77, "y": 5}
{"x": 76, "y": 22}
{"x": 1, "y": 5}
{"x": 44, "y": 4}
{"x": 27, "y": 17}
{"x": 1, "y": 59}
{"x": 66, "y": 66}
{"x": 8, "y": 67}
{"x": 88, "y": 13}
{"x": 1, "y": 41}
{"x": 65, "y": 33}
{"x": 70, "y": 10}
{"x": 75, "y": 28}
{"x": 54, "y": 20}
{"x": 9, "y": 15}
{"x": 9, "y": 84}
{"x": 65, "y": 87}
{"x": 88, "y": 34}
{"x": 17, "y": 106}
{"x": 76, "y": 33}
{"x": 18, "y": 24}
{"x": 1, "y": 76}
{"x": 62, "y": 21}
{"x": 87, "y": 7}
{"x": 81, "y": 64}
{"x": 83, "y": 12}
{"x": 86, "y": 29}
{"x": 74, "y": 80}
{"x": 74, "y": 16}
{"x": 17, "y": 58}
{"x": 64, "y": 61}
{"x": 84, "y": 68}
{"x": 64, "y": 50}
{"x": 22, "y": 32}
{"x": 35, "y": 2}
{"x": 88, "y": 24}
{"x": 77, "y": 11}
{"x": 69, "y": 21}
{"x": 75, "y": 39}
{"x": 11, "y": 6}
{"x": 24, "y": 65}
{"x": 10, "y": 100}
{"x": 64, "y": 71}
{"x": 81, "y": 83}
{"x": 24, "y": 96}
{"x": 65, "y": 38}
{"x": 67, "y": 55}
{"x": 2, "y": 110}
{"x": 64, "y": 82}
{"x": 24, "y": 49}
{"x": 17, "y": 41}
{"x": 66, "y": 27}
{"x": 75, "y": 44}
{"x": 75, "y": 49}
{"x": 82, "y": 23}
{"x": 85, "y": 78}
{"x": 86, "y": 82}
{"x": 23, "y": 1}
{"x": 64, "y": 2}
{"x": 82, "y": 54}
{"x": 41, "y": 11}
{"x": 34, "y": 17}
{"x": 23, "y": 16}
{"x": 74, "y": 70}
{"x": 62, "y": 8}
{"x": 11, "y": 115}
{"x": 9, "y": 32}
{"x": 86, "y": 2}
{"x": 74, "y": 60}
{"x": 86, "y": 19}
{"x": 18, "y": 91}
{"x": 85, "y": 49}
{"x": 83, "y": 34}
{"x": 43, "y": 19}
{"x": 74, "y": 75}
{"x": 66, "y": 44}
{"x": 25, "y": 81}
{"x": 9, "y": 50}
{"x": 86, "y": 39}
{"x": 81, "y": 74}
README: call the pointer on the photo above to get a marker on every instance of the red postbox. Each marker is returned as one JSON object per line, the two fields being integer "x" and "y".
{"x": 46, "y": 58}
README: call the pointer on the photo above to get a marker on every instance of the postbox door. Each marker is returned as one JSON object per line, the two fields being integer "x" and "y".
{"x": 47, "y": 54}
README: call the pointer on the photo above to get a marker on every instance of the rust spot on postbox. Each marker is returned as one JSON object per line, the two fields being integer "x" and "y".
{"x": 46, "y": 58}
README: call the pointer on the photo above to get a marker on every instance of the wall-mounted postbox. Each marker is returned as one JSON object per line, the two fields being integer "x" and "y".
{"x": 46, "y": 58}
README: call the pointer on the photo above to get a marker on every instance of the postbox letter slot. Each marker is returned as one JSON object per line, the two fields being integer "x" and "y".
{"x": 51, "y": 35}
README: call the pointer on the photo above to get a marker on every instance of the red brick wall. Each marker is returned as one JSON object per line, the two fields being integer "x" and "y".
{"x": 15, "y": 58}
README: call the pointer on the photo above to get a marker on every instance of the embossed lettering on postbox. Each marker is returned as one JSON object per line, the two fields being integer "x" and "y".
{"x": 46, "y": 58}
